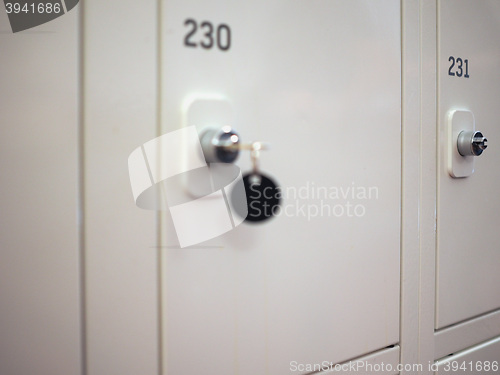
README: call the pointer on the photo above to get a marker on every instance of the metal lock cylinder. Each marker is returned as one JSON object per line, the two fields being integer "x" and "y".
{"x": 471, "y": 143}
{"x": 220, "y": 145}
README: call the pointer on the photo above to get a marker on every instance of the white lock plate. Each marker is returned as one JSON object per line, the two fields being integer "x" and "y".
{"x": 205, "y": 112}
{"x": 458, "y": 121}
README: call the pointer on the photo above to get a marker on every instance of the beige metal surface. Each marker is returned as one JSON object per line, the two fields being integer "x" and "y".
{"x": 39, "y": 249}
{"x": 119, "y": 113}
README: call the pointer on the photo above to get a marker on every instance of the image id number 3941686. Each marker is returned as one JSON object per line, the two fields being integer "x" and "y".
{"x": 33, "y": 8}
{"x": 471, "y": 366}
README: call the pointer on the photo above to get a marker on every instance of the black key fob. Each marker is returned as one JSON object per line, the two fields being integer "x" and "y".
{"x": 263, "y": 197}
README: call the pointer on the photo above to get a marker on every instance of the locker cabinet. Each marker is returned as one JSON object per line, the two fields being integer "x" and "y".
{"x": 378, "y": 251}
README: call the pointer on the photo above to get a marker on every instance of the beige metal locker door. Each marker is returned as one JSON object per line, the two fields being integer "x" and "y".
{"x": 481, "y": 359}
{"x": 468, "y": 208}
{"x": 320, "y": 81}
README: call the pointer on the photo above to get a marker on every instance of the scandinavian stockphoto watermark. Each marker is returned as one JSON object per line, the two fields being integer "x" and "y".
{"x": 25, "y": 14}
{"x": 206, "y": 200}
{"x": 312, "y": 201}
{"x": 365, "y": 367}
{"x": 374, "y": 367}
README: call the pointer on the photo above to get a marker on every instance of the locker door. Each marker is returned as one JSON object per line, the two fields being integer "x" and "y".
{"x": 320, "y": 82}
{"x": 468, "y": 209}
{"x": 481, "y": 359}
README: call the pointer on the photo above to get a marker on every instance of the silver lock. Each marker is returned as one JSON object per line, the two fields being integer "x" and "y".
{"x": 471, "y": 143}
{"x": 220, "y": 145}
